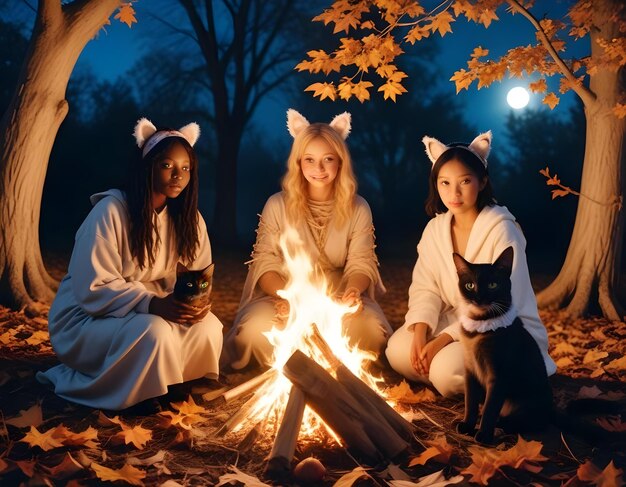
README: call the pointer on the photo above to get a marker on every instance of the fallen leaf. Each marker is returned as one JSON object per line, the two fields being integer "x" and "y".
{"x": 66, "y": 468}
{"x": 436, "y": 479}
{"x": 618, "y": 363}
{"x": 348, "y": 479}
{"x": 239, "y": 476}
{"x": 403, "y": 393}
{"x": 439, "y": 450}
{"x": 564, "y": 362}
{"x": 611, "y": 424}
{"x": 156, "y": 458}
{"x": 609, "y": 477}
{"x": 45, "y": 441}
{"x": 127, "y": 473}
{"x": 32, "y": 416}
{"x": 594, "y": 356}
{"x": 137, "y": 435}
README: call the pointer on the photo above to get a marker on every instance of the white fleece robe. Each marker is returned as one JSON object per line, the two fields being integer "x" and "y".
{"x": 114, "y": 353}
{"x": 350, "y": 250}
{"x": 434, "y": 296}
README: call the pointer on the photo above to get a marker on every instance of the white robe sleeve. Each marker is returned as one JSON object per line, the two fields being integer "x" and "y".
{"x": 425, "y": 301}
{"x": 96, "y": 266}
{"x": 361, "y": 258}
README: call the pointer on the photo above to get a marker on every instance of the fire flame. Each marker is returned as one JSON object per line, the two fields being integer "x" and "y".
{"x": 311, "y": 302}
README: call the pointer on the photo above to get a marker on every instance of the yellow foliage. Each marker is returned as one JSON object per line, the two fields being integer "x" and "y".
{"x": 403, "y": 393}
{"x": 462, "y": 79}
{"x": 323, "y": 90}
{"x": 441, "y": 23}
{"x": 46, "y": 441}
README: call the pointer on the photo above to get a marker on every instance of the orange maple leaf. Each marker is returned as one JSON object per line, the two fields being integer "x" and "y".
{"x": 523, "y": 455}
{"x": 484, "y": 464}
{"x": 46, "y": 441}
{"x": 486, "y": 16}
{"x": 403, "y": 393}
{"x": 361, "y": 90}
{"x": 594, "y": 356}
{"x": 463, "y": 79}
{"x": 127, "y": 473}
{"x": 551, "y": 100}
{"x": 67, "y": 467}
{"x": 620, "y": 110}
{"x": 390, "y": 89}
{"x": 126, "y": 14}
{"x": 69, "y": 438}
{"x": 609, "y": 477}
{"x": 417, "y": 33}
{"x": 323, "y": 90}
{"x": 539, "y": 86}
{"x": 439, "y": 450}
{"x": 563, "y": 348}
{"x": 137, "y": 435}
{"x": 441, "y": 23}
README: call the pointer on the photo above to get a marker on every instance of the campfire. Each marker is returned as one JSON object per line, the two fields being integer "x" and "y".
{"x": 317, "y": 382}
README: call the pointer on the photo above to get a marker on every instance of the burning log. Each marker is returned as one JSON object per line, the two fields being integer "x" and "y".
{"x": 364, "y": 430}
{"x": 360, "y": 390}
{"x": 224, "y": 396}
{"x": 279, "y": 463}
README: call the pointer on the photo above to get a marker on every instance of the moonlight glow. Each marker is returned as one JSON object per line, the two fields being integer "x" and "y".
{"x": 517, "y": 97}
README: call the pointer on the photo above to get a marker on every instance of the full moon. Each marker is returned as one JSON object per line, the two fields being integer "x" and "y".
{"x": 517, "y": 97}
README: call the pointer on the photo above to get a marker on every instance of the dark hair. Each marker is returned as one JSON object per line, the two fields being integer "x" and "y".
{"x": 183, "y": 210}
{"x": 461, "y": 153}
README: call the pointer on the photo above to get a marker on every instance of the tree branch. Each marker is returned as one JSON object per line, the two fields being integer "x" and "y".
{"x": 586, "y": 95}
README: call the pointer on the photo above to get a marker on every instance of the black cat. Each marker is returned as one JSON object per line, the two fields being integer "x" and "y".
{"x": 504, "y": 368}
{"x": 193, "y": 287}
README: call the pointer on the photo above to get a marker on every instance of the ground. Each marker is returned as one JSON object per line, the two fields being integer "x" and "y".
{"x": 590, "y": 354}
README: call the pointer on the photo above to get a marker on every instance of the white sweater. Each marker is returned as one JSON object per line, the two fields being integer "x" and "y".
{"x": 434, "y": 296}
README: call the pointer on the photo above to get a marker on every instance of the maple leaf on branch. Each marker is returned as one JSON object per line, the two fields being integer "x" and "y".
{"x": 126, "y": 14}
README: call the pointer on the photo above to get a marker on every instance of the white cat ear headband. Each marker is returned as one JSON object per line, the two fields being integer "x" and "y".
{"x": 480, "y": 147}
{"x": 296, "y": 123}
{"x": 147, "y": 135}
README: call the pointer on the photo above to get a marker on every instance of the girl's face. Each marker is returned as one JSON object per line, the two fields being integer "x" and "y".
{"x": 170, "y": 175}
{"x": 319, "y": 165}
{"x": 458, "y": 187}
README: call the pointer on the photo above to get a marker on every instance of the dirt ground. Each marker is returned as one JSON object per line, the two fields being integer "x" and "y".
{"x": 589, "y": 353}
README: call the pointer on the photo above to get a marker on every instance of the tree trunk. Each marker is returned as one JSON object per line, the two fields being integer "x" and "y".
{"x": 224, "y": 226}
{"x": 592, "y": 263}
{"x": 29, "y": 127}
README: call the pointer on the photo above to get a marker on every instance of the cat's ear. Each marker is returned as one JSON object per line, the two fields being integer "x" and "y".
{"x": 295, "y": 122}
{"x": 342, "y": 123}
{"x": 207, "y": 272}
{"x": 143, "y": 131}
{"x": 191, "y": 132}
{"x": 434, "y": 148}
{"x": 482, "y": 145}
{"x": 505, "y": 261}
{"x": 460, "y": 263}
{"x": 180, "y": 268}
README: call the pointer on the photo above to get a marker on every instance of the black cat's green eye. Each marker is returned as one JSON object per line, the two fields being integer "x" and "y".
{"x": 203, "y": 285}
{"x": 492, "y": 285}
{"x": 189, "y": 284}
{"x": 470, "y": 286}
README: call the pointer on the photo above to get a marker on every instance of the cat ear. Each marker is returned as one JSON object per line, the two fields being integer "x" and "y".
{"x": 482, "y": 145}
{"x": 505, "y": 261}
{"x": 295, "y": 122}
{"x": 207, "y": 272}
{"x": 143, "y": 131}
{"x": 191, "y": 132}
{"x": 180, "y": 268}
{"x": 342, "y": 123}
{"x": 460, "y": 263}
{"x": 434, "y": 148}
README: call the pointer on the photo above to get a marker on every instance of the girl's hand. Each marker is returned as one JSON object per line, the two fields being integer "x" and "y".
{"x": 351, "y": 296}
{"x": 432, "y": 348}
{"x": 171, "y": 309}
{"x": 417, "y": 346}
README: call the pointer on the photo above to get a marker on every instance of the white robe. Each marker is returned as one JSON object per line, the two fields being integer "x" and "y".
{"x": 434, "y": 296}
{"x": 350, "y": 250}
{"x": 113, "y": 353}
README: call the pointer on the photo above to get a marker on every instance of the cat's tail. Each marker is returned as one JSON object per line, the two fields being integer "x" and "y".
{"x": 586, "y": 428}
{"x": 596, "y": 406}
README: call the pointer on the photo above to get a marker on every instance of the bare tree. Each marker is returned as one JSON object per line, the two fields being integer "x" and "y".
{"x": 247, "y": 53}
{"x": 28, "y": 129}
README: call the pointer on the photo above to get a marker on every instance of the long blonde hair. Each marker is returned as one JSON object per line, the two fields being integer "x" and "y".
{"x": 294, "y": 184}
